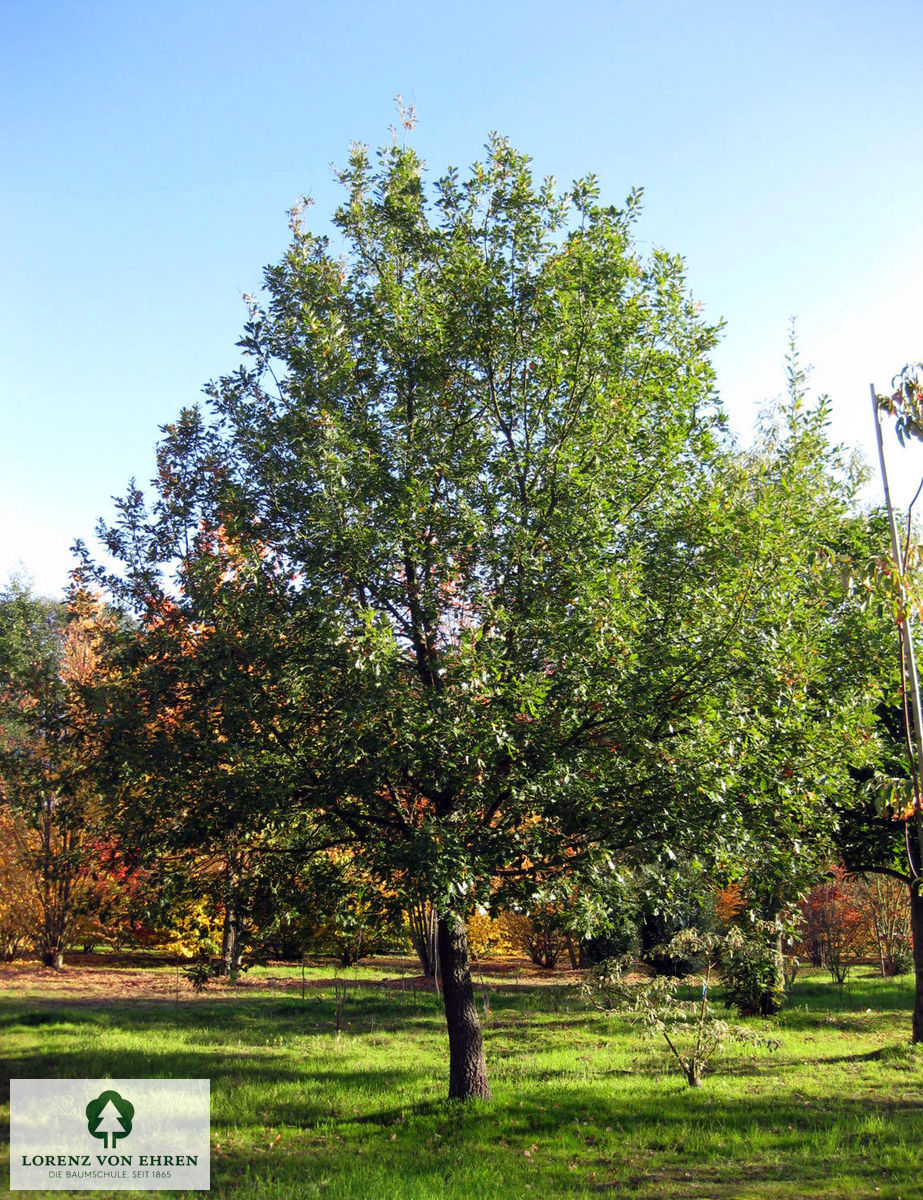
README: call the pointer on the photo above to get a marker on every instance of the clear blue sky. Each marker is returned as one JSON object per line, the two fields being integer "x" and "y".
{"x": 149, "y": 152}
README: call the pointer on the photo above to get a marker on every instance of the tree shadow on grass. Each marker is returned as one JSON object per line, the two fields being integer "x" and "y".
{"x": 656, "y": 1139}
{"x": 580, "y": 1142}
{"x": 797, "y": 1020}
{"x": 858, "y": 992}
{"x": 315, "y": 1096}
{"x": 31, "y": 1018}
{"x": 313, "y": 1016}
{"x": 420, "y": 1146}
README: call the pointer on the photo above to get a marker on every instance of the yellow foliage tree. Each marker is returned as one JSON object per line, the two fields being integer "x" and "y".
{"x": 19, "y": 901}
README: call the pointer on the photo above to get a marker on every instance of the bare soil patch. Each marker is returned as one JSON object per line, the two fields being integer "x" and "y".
{"x": 121, "y": 977}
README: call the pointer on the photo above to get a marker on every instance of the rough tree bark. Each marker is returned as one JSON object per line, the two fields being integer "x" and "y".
{"x": 467, "y": 1068}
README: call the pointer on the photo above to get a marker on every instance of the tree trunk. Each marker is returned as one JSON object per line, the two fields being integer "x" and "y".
{"x": 226, "y": 938}
{"x": 237, "y": 945}
{"x": 231, "y": 937}
{"x": 58, "y": 851}
{"x": 879, "y": 942}
{"x": 779, "y": 948}
{"x": 421, "y": 917}
{"x": 54, "y": 928}
{"x": 916, "y": 938}
{"x": 467, "y": 1069}
{"x": 56, "y": 903}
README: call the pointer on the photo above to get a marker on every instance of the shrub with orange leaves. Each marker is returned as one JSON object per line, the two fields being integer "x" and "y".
{"x": 834, "y": 929}
{"x": 49, "y": 654}
{"x": 729, "y": 903}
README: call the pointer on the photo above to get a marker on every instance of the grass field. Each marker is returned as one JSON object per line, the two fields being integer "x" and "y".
{"x": 583, "y": 1107}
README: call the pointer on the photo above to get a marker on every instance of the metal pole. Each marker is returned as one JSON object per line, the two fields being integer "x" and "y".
{"x": 911, "y": 680}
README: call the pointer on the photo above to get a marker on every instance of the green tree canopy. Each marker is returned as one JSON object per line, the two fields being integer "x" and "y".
{"x": 532, "y": 596}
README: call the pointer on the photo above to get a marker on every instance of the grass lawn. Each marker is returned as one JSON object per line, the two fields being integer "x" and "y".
{"x": 583, "y": 1107}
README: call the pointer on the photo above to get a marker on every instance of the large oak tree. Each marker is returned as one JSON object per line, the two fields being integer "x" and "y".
{"x": 526, "y": 597}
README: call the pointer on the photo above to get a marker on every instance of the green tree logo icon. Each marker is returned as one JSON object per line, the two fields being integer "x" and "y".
{"x": 109, "y": 1116}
